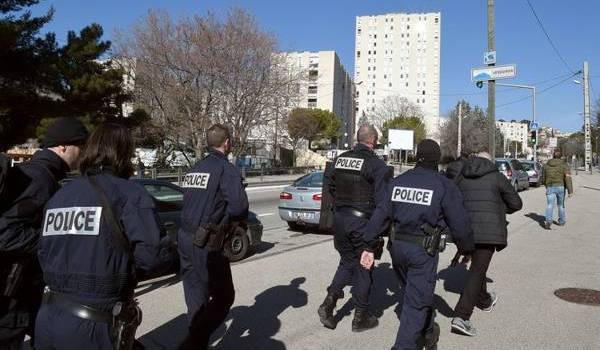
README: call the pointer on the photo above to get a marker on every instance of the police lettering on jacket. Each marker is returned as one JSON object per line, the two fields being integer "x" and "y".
{"x": 196, "y": 180}
{"x": 348, "y": 163}
{"x": 412, "y": 195}
{"x": 72, "y": 221}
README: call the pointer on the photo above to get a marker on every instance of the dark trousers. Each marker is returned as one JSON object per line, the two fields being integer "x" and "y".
{"x": 347, "y": 240}
{"x": 208, "y": 289}
{"x": 416, "y": 271}
{"x": 475, "y": 292}
{"x": 59, "y": 330}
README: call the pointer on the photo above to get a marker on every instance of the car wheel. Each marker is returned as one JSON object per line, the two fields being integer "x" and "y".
{"x": 293, "y": 226}
{"x": 237, "y": 247}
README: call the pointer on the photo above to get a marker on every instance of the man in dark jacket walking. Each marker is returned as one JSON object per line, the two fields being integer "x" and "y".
{"x": 488, "y": 197}
{"x": 30, "y": 185}
{"x": 556, "y": 176}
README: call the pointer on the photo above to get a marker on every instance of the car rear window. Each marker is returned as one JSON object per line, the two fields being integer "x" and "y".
{"x": 164, "y": 193}
{"x": 310, "y": 180}
{"x": 527, "y": 166}
{"x": 502, "y": 165}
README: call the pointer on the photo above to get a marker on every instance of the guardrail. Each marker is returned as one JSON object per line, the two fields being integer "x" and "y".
{"x": 176, "y": 175}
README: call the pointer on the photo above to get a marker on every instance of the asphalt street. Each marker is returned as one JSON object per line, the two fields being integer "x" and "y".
{"x": 279, "y": 289}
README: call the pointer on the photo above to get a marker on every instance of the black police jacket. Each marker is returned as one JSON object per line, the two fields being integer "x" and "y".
{"x": 358, "y": 180}
{"x": 79, "y": 254}
{"x": 422, "y": 196}
{"x": 28, "y": 187}
{"x": 213, "y": 193}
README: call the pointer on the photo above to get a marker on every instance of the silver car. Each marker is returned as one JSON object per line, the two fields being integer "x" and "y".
{"x": 534, "y": 170}
{"x": 300, "y": 203}
{"x": 514, "y": 172}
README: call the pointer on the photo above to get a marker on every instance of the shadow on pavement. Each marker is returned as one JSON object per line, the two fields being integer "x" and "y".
{"x": 591, "y": 188}
{"x": 144, "y": 288}
{"x": 168, "y": 336}
{"x": 252, "y": 327}
{"x": 262, "y": 247}
{"x": 540, "y": 219}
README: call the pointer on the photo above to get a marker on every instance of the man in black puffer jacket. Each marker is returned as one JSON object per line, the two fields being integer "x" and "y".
{"x": 488, "y": 198}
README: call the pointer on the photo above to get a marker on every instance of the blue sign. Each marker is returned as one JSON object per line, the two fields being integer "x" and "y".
{"x": 534, "y": 125}
{"x": 489, "y": 57}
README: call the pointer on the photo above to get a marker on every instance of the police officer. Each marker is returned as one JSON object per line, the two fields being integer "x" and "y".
{"x": 100, "y": 234}
{"x": 27, "y": 188}
{"x": 357, "y": 184}
{"x": 214, "y": 202}
{"x": 420, "y": 198}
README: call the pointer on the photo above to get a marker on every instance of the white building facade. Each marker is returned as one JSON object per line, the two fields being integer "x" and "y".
{"x": 398, "y": 54}
{"x": 514, "y": 131}
{"x": 327, "y": 86}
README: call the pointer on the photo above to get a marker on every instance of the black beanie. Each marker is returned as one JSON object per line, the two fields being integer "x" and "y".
{"x": 65, "y": 131}
{"x": 428, "y": 154}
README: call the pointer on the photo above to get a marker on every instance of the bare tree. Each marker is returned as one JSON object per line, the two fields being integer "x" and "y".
{"x": 195, "y": 71}
{"x": 393, "y": 107}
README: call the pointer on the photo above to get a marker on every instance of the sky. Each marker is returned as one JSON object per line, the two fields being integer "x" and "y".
{"x": 312, "y": 25}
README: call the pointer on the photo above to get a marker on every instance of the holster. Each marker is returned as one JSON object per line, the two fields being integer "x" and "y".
{"x": 126, "y": 320}
{"x": 211, "y": 237}
{"x": 435, "y": 240}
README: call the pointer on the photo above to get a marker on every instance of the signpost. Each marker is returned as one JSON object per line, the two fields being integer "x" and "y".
{"x": 534, "y": 126}
{"x": 493, "y": 73}
{"x": 401, "y": 140}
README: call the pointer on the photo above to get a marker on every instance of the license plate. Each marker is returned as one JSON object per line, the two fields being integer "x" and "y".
{"x": 304, "y": 215}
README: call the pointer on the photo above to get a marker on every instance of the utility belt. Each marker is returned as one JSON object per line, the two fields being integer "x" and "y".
{"x": 356, "y": 213}
{"x": 211, "y": 236}
{"x": 123, "y": 320}
{"x": 433, "y": 242}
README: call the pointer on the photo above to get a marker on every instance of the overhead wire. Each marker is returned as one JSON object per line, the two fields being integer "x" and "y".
{"x": 537, "y": 93}
{"x": 539, "y": 21}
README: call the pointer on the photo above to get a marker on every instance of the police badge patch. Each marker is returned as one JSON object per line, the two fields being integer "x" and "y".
{"x": 348, "y": 163}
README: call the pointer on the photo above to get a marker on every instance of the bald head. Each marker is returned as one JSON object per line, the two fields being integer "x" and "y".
{"x": 367, "y": 135}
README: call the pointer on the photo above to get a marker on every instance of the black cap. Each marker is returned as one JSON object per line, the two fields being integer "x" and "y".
{"x": 65, "y": 131}
{"x": 428, "y": 151}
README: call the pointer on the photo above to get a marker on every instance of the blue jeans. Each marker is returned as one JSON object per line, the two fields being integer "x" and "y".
{"x": 559, "y": 193}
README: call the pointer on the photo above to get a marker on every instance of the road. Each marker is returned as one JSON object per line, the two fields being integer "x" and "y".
{"x": 279, "y": 289}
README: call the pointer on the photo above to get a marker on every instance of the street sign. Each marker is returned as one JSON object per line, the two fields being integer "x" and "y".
{"x": 534, "y": 126}
{"x": 493, "y": 73}
{"x": 552, "y": 142}
{"x": 489, "y": 57}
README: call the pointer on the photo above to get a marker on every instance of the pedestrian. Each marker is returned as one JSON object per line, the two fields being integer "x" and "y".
{"x": 214, "y": 204}
{"x": 422, "y": 202}
{"x": 556, "y": 176}
{"x": 100, "y": 235}
{"x": 488, "y": 197}
{"x": 28, "y": 187}
{"x": 357, "y": 183}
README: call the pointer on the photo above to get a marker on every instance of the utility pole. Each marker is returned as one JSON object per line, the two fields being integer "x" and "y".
{"x": 459, "y": 146}
{"x": 491, "y": 83}
{"x": 586, "y": 116}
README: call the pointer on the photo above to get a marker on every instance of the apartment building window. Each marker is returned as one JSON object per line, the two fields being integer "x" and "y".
{"x": 390, "y": 84}
{"x": 406, "y": 84}
{"x": 374, "y": 44}
{"x": 312, "y": 103}
{"x": 437, "y": 20}
{"x": 369, "y": 52}
{"x": 402, "y": 35}
{"x": 374, "y": 36}
{"x": 357, "y": 54}
{"x": 392, "y": 28}
{"x": 407, "y": 27}
{"x": 312, "y": 89}
{"x": 359, "y": 31}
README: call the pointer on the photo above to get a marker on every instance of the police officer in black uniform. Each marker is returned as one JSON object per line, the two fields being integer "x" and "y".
{"x": 357, "y": 184}
{"x": 100, "y": 234}
{"x": 214, "y": 205}
{"x": 420, "y": 199}
{"x": 27, "y": 188}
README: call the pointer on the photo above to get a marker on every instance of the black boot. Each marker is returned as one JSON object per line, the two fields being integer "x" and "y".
{"x": 363, "y": 320}
{"x": 432, "y": 338}
{"x": 326, "y": 310}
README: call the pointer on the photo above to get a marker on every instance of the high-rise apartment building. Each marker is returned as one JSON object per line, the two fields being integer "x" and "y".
{"x": 326, "y": 86}
{"x": 398, "y": 54}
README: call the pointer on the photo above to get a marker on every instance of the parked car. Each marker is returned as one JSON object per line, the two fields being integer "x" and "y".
{"x": 168, "y": 198}
{"x": 300, "y": 203}
{"x": 514, "y": 172}
{"x": 534, "y": 170}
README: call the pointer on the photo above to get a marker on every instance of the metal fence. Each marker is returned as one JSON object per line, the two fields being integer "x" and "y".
{"x": 176, "y": 174}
